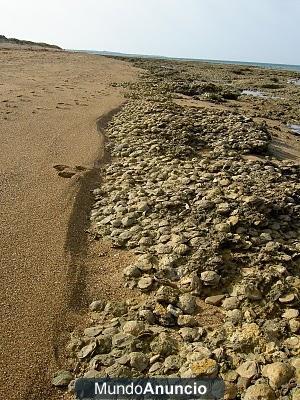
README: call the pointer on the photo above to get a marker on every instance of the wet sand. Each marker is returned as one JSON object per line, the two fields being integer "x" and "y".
{"x": 49, "y": 105}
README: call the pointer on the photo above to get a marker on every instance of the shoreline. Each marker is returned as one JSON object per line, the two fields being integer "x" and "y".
{"x": 270, "y": 66}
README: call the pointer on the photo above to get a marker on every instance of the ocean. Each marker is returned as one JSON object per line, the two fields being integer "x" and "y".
{"x": 287, "y": 67}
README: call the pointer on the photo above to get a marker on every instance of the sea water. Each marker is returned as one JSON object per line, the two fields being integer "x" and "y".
{"x": 295, "y": 128}
{"x": 288, "y": 67}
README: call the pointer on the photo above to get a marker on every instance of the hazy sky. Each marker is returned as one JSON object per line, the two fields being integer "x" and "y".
{"x": 249, "y": 30}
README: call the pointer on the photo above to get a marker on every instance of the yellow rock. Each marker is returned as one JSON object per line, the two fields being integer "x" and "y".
{"x": 205, "y": 367}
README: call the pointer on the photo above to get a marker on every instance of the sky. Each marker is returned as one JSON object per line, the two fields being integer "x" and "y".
{"x": 244, "y": 30}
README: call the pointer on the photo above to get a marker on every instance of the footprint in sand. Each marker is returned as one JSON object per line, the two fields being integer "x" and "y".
{"x": 65, "y": 171}
{"x": 62, "y": 107}
{"x": 60, "y": 167}
{"x": 80, "y": 168}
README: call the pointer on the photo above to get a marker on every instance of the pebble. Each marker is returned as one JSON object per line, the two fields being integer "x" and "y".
{"x": 260, "y": 391}
{"x": 97, "y": 305}
{"x": 231, "y": 303}
{"x": 191, "y": 334}
{"x": 248, "y": 369}
{"x": 289, "y": 298}
{"x": 133, "y": 327}
{"x": 145, "y": 283}
{"x": 62, "y": 379}
{"x": 210, "y": 278}
{"x": 206, "y": 367}
{"x": 214, "y": 300}
{"x": 187, "y": 303}
{"x": 290, "y": 313}
{"x": 278, "y": 373}
{"x": 186, "y": 320}
{"x": 87, "y": 350}
{"x": 138, "y": 361}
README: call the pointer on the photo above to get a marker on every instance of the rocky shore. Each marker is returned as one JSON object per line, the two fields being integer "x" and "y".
{"x": 212, "y": 217}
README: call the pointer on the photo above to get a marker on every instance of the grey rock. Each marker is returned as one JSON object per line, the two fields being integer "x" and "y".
{"x": 155, "y": 368}
{"x": 234, "y": 316}
{"x": 187, "y": 303}
{"x": 104, "y": 344}
{"x": 92, "y": 331}
{"x": 175, "y": 311}
{"x": 139, "y": 361}
{"x": 191, "y": 334}
{"x": 253, "y": 293}
{"x": 123, "y": 341}
{"x": 87, "y": 350}
{"x": 118, "y": 371}
{"x": 93, "y": 374}
{"x": 62, "y": 379}
{"x": 214, "y": 300}
{"x": 172, "y": 363}
{"x": 147, "y": 315}
{"x": 231, "y": 303}
{"x": 166, "y": 294}
{"x": 133, "y": 327}
{"x": 97, "y": 305}
{"x": 132, "y": 272}
{"x": 210, "y": 278}
{"x": 164, "y": 345}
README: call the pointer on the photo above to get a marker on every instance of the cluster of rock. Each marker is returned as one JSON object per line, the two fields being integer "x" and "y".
{"x": 208, "y": 226}
{"x": 171, "y": 80}
{"x": 201, "y": 90}
{"x": 219, "y": 83}
{"x": 169, "y": 129}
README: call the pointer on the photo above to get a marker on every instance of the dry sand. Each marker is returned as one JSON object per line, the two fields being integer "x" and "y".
{"x": 49, "y": 105}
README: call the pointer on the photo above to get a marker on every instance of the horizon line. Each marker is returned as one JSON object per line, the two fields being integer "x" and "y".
{"x": 183, "y": 58}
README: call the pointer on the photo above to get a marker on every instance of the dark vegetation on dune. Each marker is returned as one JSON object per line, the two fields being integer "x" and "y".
{"x": 4, "y": 39}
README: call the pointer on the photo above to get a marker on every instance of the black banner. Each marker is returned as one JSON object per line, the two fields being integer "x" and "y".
{"x": 149, "y": 388}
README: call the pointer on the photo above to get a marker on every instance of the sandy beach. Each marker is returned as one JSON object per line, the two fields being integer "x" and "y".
{"x": 49, "y": 104}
